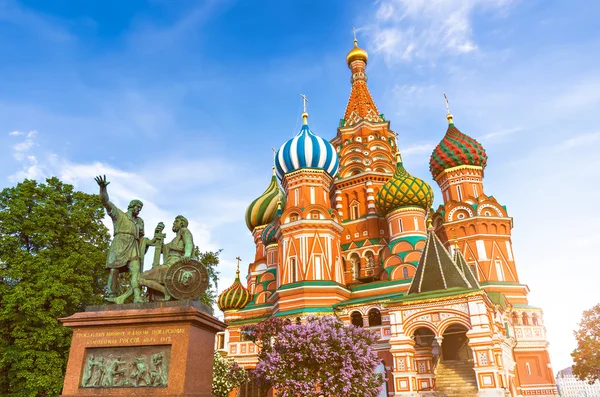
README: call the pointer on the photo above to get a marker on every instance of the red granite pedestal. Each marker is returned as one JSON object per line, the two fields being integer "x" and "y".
{"x": 143, "y": 349}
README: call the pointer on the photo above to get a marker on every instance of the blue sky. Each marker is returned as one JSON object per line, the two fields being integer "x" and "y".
{"x": 180, "y": 102}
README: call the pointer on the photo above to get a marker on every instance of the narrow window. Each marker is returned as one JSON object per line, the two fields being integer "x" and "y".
{"x": 312, "y": 195}
{"x": 293, "y": 270}
{"x": 354, "y": 211}
{"x": 528, "y": 368}
{"x": 499, "y": 271}
{"x": 318, "y": 272}
{"x": 416, "y": 223}
{"x": 474, "y": 271}
{"x": 400, "y": 225}
{"x": 459, "y": 193}
{"x": 475, "y": 191}
{"x": 405, "y": 273}
{"x": 296, "y": 197}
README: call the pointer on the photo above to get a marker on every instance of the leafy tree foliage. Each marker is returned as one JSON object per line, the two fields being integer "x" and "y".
{"x": 227, "y": 374}
{"x": 587, "y": 354}
{"x": 52, "y": 258}
{"x": 322, "y": 357}
{"x": 210, "y": 259}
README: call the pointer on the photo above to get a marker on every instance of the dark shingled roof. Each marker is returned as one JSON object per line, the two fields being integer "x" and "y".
{"x": 460, "y": 261}
{"x": 436, "y": 270}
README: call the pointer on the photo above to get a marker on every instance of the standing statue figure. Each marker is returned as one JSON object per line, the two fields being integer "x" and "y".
{"x": 181, "y": 247}
{"x": 124, "y": 252}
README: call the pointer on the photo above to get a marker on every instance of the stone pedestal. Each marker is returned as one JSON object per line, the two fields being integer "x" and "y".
{"x": 155, "y": 349}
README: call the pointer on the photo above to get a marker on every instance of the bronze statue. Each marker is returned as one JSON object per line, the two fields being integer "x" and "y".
{"x": 180, "y": 276}
{"x": 124, "y": 252}
{"x": 180, "y": 248}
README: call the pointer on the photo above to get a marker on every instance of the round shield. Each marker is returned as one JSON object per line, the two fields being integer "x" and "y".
{"x": 186, "y": 279}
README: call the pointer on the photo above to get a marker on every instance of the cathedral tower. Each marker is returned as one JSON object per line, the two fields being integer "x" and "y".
{"x": 480, "y": 223}
{"x": 310, "y": 275}
{"x": 366, "y": 146}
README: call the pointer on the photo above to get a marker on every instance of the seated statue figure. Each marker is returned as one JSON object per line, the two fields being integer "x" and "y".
{"x": 180, "y": 248}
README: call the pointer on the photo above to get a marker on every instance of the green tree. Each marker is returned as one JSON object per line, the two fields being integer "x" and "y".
{"x": 52, "y": 258}
{"x": 210, "y": 259}
{"x": 586, "y": 356}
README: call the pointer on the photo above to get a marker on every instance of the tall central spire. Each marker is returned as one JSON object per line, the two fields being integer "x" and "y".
{"x": 360, "y": 104}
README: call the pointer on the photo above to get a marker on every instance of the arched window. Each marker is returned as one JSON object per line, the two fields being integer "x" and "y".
{"x": 525, "y": 319}
{"x": 355, "y": 261}
{"x": 374, "y": 318}
{"x": 354, "y": 213}
{"x": 534, "y": 319}
{"x": 405, "y": 273}
{"x": 370, "y": 259}
{"x": 356, "y": 319}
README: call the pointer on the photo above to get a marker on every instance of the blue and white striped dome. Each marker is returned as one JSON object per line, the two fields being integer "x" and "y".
{"x": 306, "y": 150}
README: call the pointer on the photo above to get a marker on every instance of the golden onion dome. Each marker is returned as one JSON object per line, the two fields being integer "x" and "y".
{"x": 403, "y": 190}
{"x": 356, "y": 54}
{"x": 235, "y": 297}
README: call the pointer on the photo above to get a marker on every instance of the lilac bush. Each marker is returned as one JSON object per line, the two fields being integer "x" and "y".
{"x": 322, "y": 357}
{"x": 227, "y": 374}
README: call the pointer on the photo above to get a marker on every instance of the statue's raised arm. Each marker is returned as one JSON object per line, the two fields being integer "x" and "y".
{"x": 103, "y": 183}
{"x": 124, "y": 254}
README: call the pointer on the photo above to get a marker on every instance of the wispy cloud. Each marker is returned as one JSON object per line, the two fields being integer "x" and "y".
{"x": 580, "y": 140}
{"x": 499, "y": 135}
{"x": 417, "y": 149}
{"x": 404, "y": 30}
{"x": 20, "y": 149}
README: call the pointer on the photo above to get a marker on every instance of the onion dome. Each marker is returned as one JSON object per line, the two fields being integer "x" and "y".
{"x": 306, "y": 150}
{"x": 270, "y": 231}
{"x": 262, "y": 210}
{"x": 356, "y": 54}
{"x": 235, "y": 297}
{"x": 456, "y": 149}
{"x": 403, "y": 190}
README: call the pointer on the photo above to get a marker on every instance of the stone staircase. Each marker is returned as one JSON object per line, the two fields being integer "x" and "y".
{"x": 455, "y": 379}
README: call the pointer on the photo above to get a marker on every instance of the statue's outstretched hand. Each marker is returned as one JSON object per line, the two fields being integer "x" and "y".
{"x": 101, "y": 181}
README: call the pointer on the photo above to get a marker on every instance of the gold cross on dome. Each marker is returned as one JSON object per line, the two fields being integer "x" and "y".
{"x": 305, "y": 100}
{"x": 239, "y": 260}
{"x": 354, "y": 30}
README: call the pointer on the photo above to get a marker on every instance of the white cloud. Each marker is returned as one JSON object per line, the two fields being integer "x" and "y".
{"x": 580, "y": 140}
{"x": 159, "y": 191}
{"x": 20, "y": 149}
{"x": 407, "y": 29}
{"x": 498, "y": 135}
{"x": 417, "y": 149}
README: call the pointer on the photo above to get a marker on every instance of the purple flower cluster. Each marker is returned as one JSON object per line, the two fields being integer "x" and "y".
{"x": 322, "y": 357}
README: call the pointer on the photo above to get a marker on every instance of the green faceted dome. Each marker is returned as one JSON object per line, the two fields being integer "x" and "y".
{"x": 403, "y": 190}
{"x": 262, "y": 210}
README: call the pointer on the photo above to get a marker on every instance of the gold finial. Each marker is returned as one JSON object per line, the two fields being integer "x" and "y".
{"x": 430, "y": 219}
{"x": 398, "y": 157}
{"x": 455, "y": 238}
{"x": 305, "y": 113}
{"x": 449, "y": 115}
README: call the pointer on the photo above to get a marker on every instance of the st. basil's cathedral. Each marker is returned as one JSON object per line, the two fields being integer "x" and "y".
{"x": 344, "y": 229}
